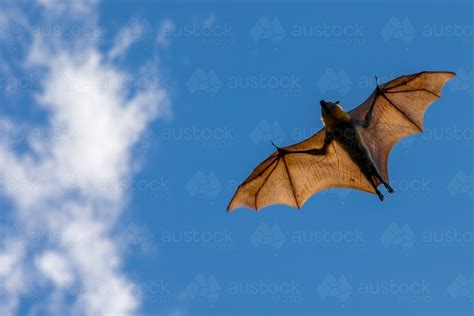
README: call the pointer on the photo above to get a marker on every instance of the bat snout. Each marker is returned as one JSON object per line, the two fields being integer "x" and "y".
{"x": 324, "y": 105}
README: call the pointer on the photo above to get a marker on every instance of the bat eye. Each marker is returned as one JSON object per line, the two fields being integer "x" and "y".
{"x": 337, "y": 102}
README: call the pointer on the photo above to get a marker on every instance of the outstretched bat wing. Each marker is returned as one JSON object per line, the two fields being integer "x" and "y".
{"x": 397, "y": 107}
{"x": 292, "y": 179}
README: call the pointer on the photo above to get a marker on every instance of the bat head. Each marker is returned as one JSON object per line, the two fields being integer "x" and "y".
{"x": 328, "y": 107}
{"x": 332, "y": 112}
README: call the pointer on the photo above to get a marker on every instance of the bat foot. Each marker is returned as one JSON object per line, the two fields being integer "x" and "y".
{"x": 389, "y": 188}
{"x": 380, "y": 195}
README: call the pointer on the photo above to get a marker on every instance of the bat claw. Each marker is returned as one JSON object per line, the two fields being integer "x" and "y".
{"x": 280, "y": 150}
{"x": 389, "y": 188}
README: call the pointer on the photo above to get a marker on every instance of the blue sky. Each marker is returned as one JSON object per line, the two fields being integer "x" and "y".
{"x": 205, "y": 89}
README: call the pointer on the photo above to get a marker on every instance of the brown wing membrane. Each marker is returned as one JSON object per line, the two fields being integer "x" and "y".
{"x": 398, "y": 109}
{"x": 293, "y": 178}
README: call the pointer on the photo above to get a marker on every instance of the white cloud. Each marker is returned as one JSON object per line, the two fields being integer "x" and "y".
{"x": 66, "y": 188}
{"x": 126, "y": 37}
{"x": 13, "y": 281}
{"x": 53, "y": 265}
{"x": 75, "y": 7}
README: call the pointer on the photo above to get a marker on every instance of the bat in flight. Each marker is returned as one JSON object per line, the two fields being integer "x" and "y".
{"x": 350, "y": 151}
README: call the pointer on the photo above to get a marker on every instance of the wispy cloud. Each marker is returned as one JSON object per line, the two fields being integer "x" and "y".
{"x": 76, "y": 7}
{"x": 167, "y": 28}
{"x": 127, "y": 36}
{"x": 65, "y": 187}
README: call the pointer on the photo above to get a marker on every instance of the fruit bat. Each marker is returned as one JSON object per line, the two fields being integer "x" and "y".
{"x": 350, "y": 151}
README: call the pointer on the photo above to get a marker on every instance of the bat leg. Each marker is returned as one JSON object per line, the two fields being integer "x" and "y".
{"x": 385, "y": 184}
{"x": 379, "y": 194}
{"x": 376, "y": 173}
{"x": 371, "y": 174}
